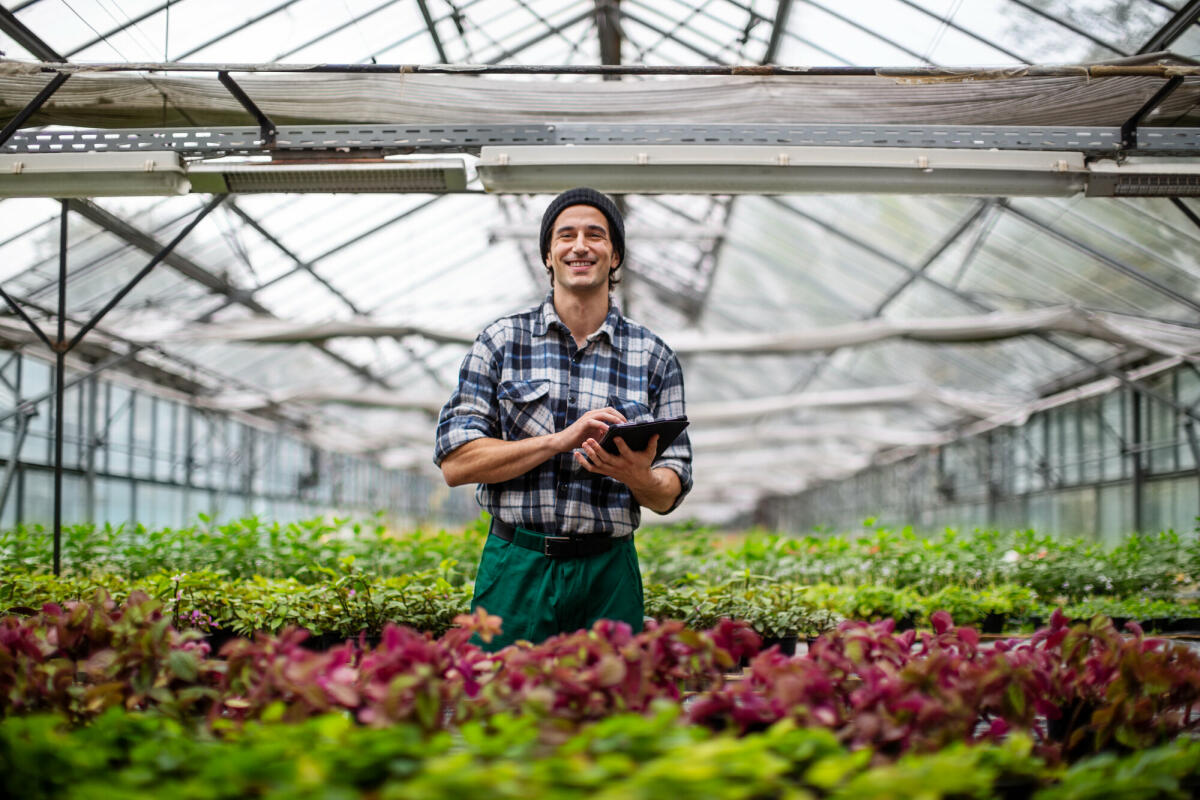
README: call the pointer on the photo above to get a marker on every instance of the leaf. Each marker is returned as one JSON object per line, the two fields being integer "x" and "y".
{"x": 183, "y": 664}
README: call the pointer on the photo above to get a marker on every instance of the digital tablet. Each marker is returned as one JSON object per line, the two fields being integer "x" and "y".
{"x": 637, "y": 434}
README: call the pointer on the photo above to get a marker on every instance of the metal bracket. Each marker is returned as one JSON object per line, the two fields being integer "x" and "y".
{"x": 1129, "y": 130}
{"x": 36, "y": 103}
{"x": 267, "y": 128}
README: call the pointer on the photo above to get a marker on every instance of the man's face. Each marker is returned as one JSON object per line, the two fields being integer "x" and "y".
{"x": 581, "y": 252}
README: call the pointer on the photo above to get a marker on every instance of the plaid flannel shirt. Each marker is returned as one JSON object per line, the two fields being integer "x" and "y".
{"x": 525, "y": 377}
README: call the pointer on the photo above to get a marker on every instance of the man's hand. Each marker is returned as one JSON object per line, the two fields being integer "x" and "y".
{"x": 655, "y": 489}
{"x": 592, "y": 425}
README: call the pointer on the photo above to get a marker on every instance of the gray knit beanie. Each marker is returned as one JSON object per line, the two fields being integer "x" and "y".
{"x": 583, "y": 196}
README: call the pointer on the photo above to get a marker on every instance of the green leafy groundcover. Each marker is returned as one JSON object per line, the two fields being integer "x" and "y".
{"x": 316, "y": 551}
{"x": 339, "y": 578}
{"x": 127, "y": 755}
{"x": 356, "y": 602}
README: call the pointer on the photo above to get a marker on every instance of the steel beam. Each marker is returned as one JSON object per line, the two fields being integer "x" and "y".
{"x": 299, "y": 262}
{"x": 150, "y": 245}
{"x": 782, "y": 11}
{"x": 60, "y": 356}
{"x": 32, "y": 107}
{"x": 20, "y": 34}
{"x": 158, "y": 257}
{"x": 949, "y": 239}
{"x": 191, "y": 269}
{"x": 1175, "y": 27}
{"x": 1129, "y": 129}
{"x": 1135, "y": 452}
{"x": 20, "y": 312}
{"x": 433, "y": 34}
{"x": 311, "y": 263}
{"x": 91, "y": 443}
{"x": 608, "y": 31}
{"x": 1187, "y": 212}
{"x": 96, "y": 262}
{"x": 267, "y": 129}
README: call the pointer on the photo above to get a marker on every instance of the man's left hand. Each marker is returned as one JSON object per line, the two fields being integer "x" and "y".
{"x": 630, "y": 467}
{"x": 656, "y": 489}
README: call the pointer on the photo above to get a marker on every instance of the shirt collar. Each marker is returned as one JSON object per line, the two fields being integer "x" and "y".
{"x": 611, "y": 326}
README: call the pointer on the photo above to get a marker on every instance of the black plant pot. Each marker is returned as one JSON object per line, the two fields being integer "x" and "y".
{"x": 1184, "y": 625}
{"x": 787, "y": 644}
{"x": 218, "y": 638}
{"x": 993, "y": 622}
{"x": 320, "y": 642}
{"x": 1015, "y": 787}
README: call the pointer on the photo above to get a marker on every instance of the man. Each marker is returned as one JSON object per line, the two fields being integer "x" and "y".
{"x": 535, "y": 396}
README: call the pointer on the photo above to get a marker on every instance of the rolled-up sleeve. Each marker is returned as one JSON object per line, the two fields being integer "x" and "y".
{"x": 472, "y": 411}
{"x": 668, "y": 402}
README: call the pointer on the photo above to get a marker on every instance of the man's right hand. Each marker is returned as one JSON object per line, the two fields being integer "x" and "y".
{"x": 592, "y": 425}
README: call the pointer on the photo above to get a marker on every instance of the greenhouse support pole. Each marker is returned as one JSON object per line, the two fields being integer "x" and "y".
{"x": 10, "y": 471}
{"x": 1189, "y": 428}
{"x": 92, "y": 388}
{"x": 1135, "y": 452}
{"x": 60, "y": 390}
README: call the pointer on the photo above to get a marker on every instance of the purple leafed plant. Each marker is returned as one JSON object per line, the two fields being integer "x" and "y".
{"x": 1076, "y": 689}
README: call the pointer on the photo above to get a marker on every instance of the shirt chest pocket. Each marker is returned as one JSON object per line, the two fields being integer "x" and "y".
{"x": 632, "y": 409}
{"x": 525, "y": 409}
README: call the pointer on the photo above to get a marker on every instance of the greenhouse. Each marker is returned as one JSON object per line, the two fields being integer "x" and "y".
{"x": 329, "y": 328}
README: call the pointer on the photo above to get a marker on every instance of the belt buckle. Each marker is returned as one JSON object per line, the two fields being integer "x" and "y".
{"x": 548, "y": 540}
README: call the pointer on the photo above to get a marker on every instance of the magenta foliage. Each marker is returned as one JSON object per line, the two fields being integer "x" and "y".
{"x": 897, "y": 692}
{"x": 81, "y": 658}
{"x": 593, "y": 673}
{"x": 408, "y": 676}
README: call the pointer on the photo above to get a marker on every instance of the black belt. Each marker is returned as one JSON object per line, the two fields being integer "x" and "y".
{"x": 556, "y": 546}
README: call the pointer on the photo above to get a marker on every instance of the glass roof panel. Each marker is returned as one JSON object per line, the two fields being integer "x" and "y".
{"x": 1021, "y": 266}
{"x": 725, "y": 264}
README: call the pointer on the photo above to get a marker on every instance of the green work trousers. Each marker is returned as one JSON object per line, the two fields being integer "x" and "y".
{"x": 538, "y": 596}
